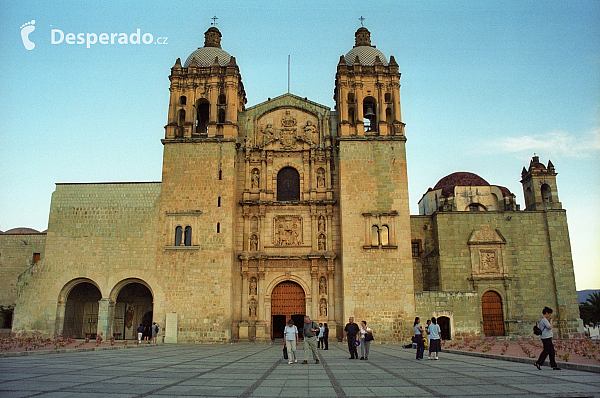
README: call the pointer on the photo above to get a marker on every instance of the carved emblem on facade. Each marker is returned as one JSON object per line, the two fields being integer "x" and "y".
{"x": 487, "y": 252}
{"x": 288, "y": 131}
{"x": 488, "y": 260}
{"x": 287, "y": 231}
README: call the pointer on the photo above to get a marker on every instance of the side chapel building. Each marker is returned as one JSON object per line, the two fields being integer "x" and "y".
{"x": 289, "y": 208}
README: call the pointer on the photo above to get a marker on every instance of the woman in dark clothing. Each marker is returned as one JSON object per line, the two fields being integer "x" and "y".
{"x": 419, "y": 338}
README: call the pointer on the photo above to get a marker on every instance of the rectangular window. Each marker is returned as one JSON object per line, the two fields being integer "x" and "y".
{"x": 36, "y": 257}
{"x": 416, "y": 248}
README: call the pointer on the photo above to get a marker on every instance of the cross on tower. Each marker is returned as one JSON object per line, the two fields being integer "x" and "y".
{"x": 214, "y": 22}
{"x": 361, "y": 19}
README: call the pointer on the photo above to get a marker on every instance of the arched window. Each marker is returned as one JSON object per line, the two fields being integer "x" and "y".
{"x": 369, "y": 114}
{"x": 188, "y": 236}
{"x": 202, "y": 115}
{"x": 221, "y": 116}
{"x": 288, "y": 184}
{"x": 476, "y": 207}
{"x": 375, "y": 238}
{"x": 178, "y": 235}
{"x": 546, "y": 193}
{"x": 384, "y": 234}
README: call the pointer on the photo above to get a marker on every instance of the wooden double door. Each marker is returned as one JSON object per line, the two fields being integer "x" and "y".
{"x": 287, "y": 302}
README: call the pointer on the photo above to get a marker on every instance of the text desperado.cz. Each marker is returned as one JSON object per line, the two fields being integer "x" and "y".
{"x": 57, "y": 36}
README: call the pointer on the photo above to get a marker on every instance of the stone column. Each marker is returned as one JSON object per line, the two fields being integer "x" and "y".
{"x": 104, "y": 319}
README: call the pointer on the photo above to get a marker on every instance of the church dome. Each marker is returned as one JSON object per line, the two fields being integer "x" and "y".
{"x": 363, "y": 49}
{"x": 21, "y": 231}
{"x": 205, "y": 56}
{"x": 460, "y": 179}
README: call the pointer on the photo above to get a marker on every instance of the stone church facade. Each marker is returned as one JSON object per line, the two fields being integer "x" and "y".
{"x": 289, "y": 208}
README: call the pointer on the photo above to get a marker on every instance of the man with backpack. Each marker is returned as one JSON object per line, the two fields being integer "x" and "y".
{"x": 545, "y": 325}
{"x": 155, "y": 329}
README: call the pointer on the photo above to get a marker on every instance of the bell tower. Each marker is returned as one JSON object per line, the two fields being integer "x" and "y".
{"x": 206, "y": 93}
{"x": 367, "y": 91}
{"x": 375, "y": 226}
{"x": 539, "y": 186}
{"x": 197, "y": 205}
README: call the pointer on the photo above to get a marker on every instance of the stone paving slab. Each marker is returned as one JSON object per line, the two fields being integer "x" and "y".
{"x": 257, "y": 370}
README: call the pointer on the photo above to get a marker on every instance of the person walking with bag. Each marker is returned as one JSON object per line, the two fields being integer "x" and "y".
{"x": 290, "y": 341}
{"x": 545, "y": 325}
{"x": 366, "y": 335}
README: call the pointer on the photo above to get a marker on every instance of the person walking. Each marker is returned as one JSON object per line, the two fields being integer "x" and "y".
{"x": 545, "y": 325}
{"x": 365, "y": 343}
{"x": 290, "y": 341}
{"x": 310, "y": 331}
{"x": 350, "y": 335}
{"x": 140, "y": 332}
{"x": 326, "y": 336}
{"x": 419, "y": 338}
{"x": 320, "y": 336}
{"x": 435, "y": 344}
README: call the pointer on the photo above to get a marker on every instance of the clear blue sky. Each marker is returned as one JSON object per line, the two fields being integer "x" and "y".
{"x": 485, "y": 84}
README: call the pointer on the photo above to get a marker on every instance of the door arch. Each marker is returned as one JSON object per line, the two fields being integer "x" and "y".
{"x": 81, "y": 311}
{"x": 287, "y": 301}
{"x": 134, "y": 305}
{"x": 491, "y": 311}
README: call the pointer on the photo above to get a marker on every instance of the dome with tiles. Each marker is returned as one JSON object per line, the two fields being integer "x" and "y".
{"x": 366, "y": 53}
{"x": 205, "y": 56}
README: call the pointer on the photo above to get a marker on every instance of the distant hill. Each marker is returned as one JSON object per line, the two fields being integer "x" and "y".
{"x": 582, "y": 295}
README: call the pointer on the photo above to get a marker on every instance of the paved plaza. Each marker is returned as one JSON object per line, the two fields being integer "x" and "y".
{"x": 258, "y": 370}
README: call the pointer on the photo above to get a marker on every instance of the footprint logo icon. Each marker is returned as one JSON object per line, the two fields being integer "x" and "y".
{"x": 26, "y": 29}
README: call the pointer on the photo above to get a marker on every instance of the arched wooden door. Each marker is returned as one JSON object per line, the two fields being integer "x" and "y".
{"x": 491, "y": 309}
{"x": 287, "y": 301}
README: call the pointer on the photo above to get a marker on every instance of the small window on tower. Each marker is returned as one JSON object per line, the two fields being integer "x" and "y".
{"x": 416, "y": 248}
{"x": 36, "y": 257}
{"x": 182, "y": 100}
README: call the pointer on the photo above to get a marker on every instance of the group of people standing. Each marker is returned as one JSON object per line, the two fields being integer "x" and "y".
{"x": 431, "y": 333}
{"x": 147, "y": 332}
{"x": 313, "y": 334}
{"x": 363, "y": 335}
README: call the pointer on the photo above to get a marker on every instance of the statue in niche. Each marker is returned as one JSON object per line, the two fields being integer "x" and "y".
{"x": 254, "y": 243}
{"x": 252, "y": 308}
{"x": 129, "y": 317}
{"x": 322, "y": 243}
{"x": 321, "y": 224}
{"x": 322, "y": 285}
{"x": 320, "y": 178}
{"x": 255, "y": 178}
{"x": 253, "y": 286}
{"x": 323, "y": 308}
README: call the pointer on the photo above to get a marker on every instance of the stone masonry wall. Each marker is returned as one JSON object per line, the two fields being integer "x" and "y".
{"x": 101, "y": 233}
{"x": 377, "y": 281}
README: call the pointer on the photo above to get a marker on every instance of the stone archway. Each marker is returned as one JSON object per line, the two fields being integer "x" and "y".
{"x": 133, "y": 306}
{"x": 288, "y": 300}
{"x": 491, "y": 311}
{"x": 81, "y": 311}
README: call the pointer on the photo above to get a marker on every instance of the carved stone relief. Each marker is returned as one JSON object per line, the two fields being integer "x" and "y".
{"x": 284, "y": 127}
{"x": 287, "y": 231}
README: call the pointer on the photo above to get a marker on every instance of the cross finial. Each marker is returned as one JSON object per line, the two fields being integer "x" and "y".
{"x": 214, "y": 22}
{"x": 361, "y": 19}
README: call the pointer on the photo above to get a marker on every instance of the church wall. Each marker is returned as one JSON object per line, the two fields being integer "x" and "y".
{"x": 463, "y": 308}
{"x": 377, "y": 281}
{"x": 198, "y": 279}
{"x": 525, "y": 278}
{"x": 100, "y": 232}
